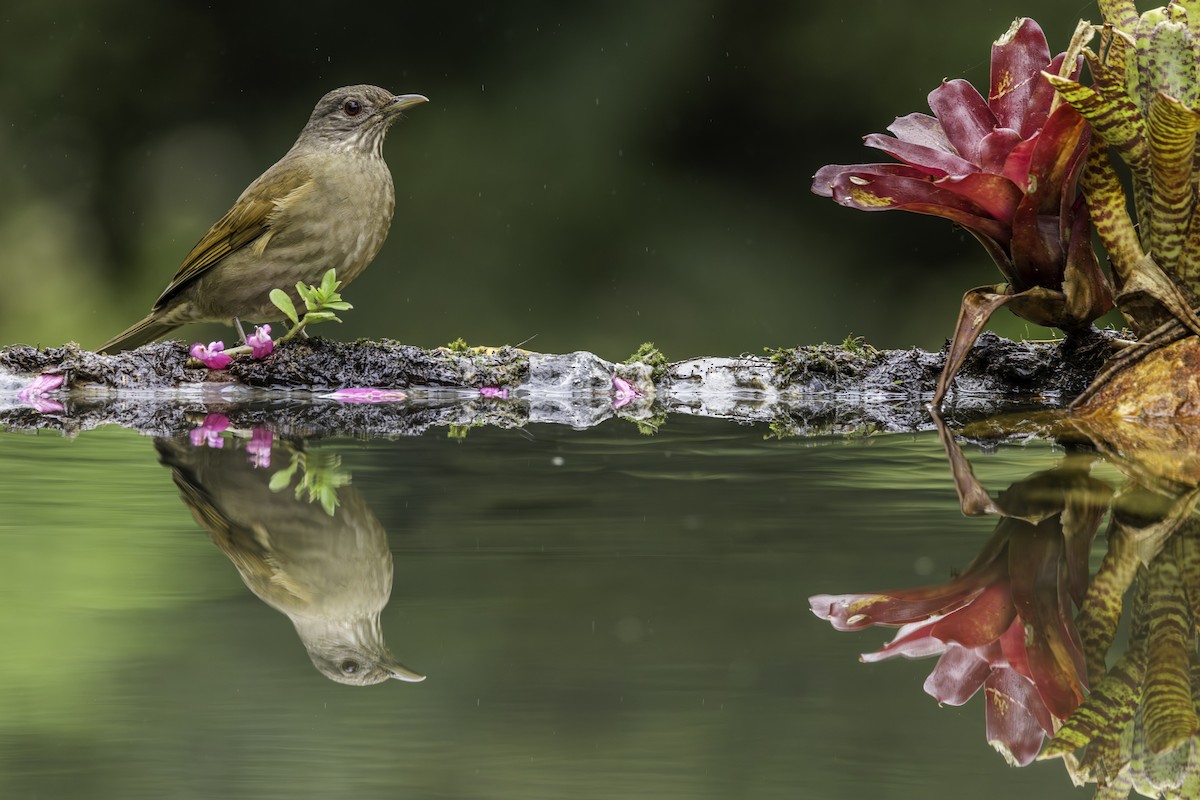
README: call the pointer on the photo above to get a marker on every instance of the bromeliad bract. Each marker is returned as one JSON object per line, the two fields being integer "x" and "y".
{"x": 1005, "y": 169}
{"x": 1004, "y": 625}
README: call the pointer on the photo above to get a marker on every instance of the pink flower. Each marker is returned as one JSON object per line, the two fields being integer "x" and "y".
{"x": 211, "y": 356}
{"x": 1003, "y": 625}
{"x": 35, "y": 393}
{"x": 494, "y": 391}
{"x": 1003, "y": 168}
{"x": 208, "y": 434}
{"x": 624, "y": 392}
{"x": 260, "y": 341}
{"x": 366, "y": 394}
{"x": 259, "y": 447}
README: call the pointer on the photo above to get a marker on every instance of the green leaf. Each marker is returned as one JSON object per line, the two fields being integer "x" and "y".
{"x": 284, "y": 303}
{"x": 1172, "y": 129}
{"x": 321, "y": 316}
{"x": 329, "y": 499}
{"x": 330, "y": 283}
{"x": 281, "y": 479}
{"x": 337, "y": 305}
{"x": 308, "y": 295}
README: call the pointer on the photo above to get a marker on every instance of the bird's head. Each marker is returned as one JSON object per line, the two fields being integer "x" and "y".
{"x": 352, "y": 651}
{"x": 356, "y": 118}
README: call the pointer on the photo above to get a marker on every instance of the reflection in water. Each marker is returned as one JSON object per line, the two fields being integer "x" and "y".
{"x": 313, "y": 551}
{"x": 1026, "y": 622}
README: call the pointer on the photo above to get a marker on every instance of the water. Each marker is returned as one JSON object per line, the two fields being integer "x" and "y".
{"x": 600, "y": 614}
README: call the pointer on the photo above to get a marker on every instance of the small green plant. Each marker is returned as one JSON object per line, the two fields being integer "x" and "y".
{"x": 321, "y": 476}
{"x": 648, "y": 354}
{"x": 857, "y": 345}
{"x": 459, "y": 345}
{"x": 319, "y": 304}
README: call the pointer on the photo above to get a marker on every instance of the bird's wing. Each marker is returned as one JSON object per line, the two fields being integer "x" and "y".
{"x": 251, "y": 217}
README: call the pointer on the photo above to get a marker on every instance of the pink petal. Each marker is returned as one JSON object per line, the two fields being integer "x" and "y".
{"x": 493, "y": 391}
{"x": 211, "y": 356}
{"x": 995, "y": 149}
{"x": 1037, "y": 255}
{"x": 964, "y": 115}
{"x": 828, "y": 176}
{"x": 1012, "y": 647}
{"x": 983, "y": 621}
{"x": 922, "y": 130}
{"x": 1042, "y": 96}
{"x": 624, "y": 392}
{"x": 261, "y": 344}
{"x": 366, "y": 394}
{"x": 35, "y": 393}
{"x": 1039, "y": 589}
{"x": 851, "y": 612}
{"x": 911, "y": 641}
{"x": 1018, "y": 58}
{"x": 1016, "y": 166}
{"x": 995, "y": 194}
{"x": 1016, "y": 718}
{"x": 936, "y": 163}
{"x": 958, "y": 675}
{"x": 1057, "y": 156}
{"x": 868, "y": 192}
{"x": 208, "y": 433}
{"x": 43, "y": 405}
{"x": 259, "y": 447}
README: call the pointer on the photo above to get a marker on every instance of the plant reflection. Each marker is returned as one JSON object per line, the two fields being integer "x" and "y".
{"x": 1027, "y": 623}
{"x": 315, "y": 552}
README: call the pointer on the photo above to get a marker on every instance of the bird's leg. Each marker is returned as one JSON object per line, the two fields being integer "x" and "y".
{"x": 237, "y": 323}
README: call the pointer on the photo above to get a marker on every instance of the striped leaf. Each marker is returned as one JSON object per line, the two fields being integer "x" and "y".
{"x": 1170, "y": 717}
{"x": 1101, "y": 611}
{"x": 1110, "y": 213}
{"x": 1192, "y": 11}
{"x": 1110, "y": 707}
{"x": 1172, "y": 132}
{"x": 1115, "y": 119}
{"x": 1189, "y": 563}
{"x": 1122, "y": 14}
{"x": 1124, "y": 127}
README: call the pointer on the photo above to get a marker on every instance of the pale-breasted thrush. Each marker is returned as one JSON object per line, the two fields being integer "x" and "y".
{"x": 327, "y": 204}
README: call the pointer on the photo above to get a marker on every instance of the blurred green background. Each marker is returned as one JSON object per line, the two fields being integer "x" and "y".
{"x": 587, "y": 176}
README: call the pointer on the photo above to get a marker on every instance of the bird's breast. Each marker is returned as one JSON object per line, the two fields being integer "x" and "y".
{"x": 345, "y": 225}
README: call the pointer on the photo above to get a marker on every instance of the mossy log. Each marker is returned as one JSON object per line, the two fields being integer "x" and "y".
{"x": 801, "y": 391}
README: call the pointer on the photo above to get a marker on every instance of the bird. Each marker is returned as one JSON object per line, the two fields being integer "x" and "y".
{"x": 329, "y": 573}
{"x": 327, "y": 204}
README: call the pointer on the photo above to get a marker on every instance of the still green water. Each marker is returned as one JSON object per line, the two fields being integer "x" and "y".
{"x": 600, "y": 614}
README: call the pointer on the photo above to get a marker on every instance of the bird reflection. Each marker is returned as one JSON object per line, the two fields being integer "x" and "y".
{"x": 315, "y": 553}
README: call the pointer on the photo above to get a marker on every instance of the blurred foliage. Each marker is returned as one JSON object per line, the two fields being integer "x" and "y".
{"x": 593, "y": 175}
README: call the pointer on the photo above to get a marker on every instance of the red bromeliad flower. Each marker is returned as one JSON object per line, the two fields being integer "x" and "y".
{"x": 1003, "y": 625}
{"x": 1005, "y": 169}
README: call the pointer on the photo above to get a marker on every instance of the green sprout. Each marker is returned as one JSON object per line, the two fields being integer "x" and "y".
{"x": 321, "y": 476}
{"x": 319, "y": 304}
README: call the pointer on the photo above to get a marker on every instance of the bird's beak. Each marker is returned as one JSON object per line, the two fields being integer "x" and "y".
{"x": 402, "y": 673}
{"x": 403, "y": 101}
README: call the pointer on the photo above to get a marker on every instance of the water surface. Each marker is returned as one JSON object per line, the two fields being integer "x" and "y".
{"x": 600, "y": 614}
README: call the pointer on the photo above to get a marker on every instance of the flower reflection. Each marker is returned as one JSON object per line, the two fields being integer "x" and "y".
{"x": 1028, "y": 624}
{"x": 1002, "y": 626}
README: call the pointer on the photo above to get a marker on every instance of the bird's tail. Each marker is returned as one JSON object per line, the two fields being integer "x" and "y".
{"x": 147, "y": 330}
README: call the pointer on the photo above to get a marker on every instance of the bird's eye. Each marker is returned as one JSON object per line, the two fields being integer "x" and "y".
{"x": 352, "y": 108}
{"x": 349, "y": 666}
